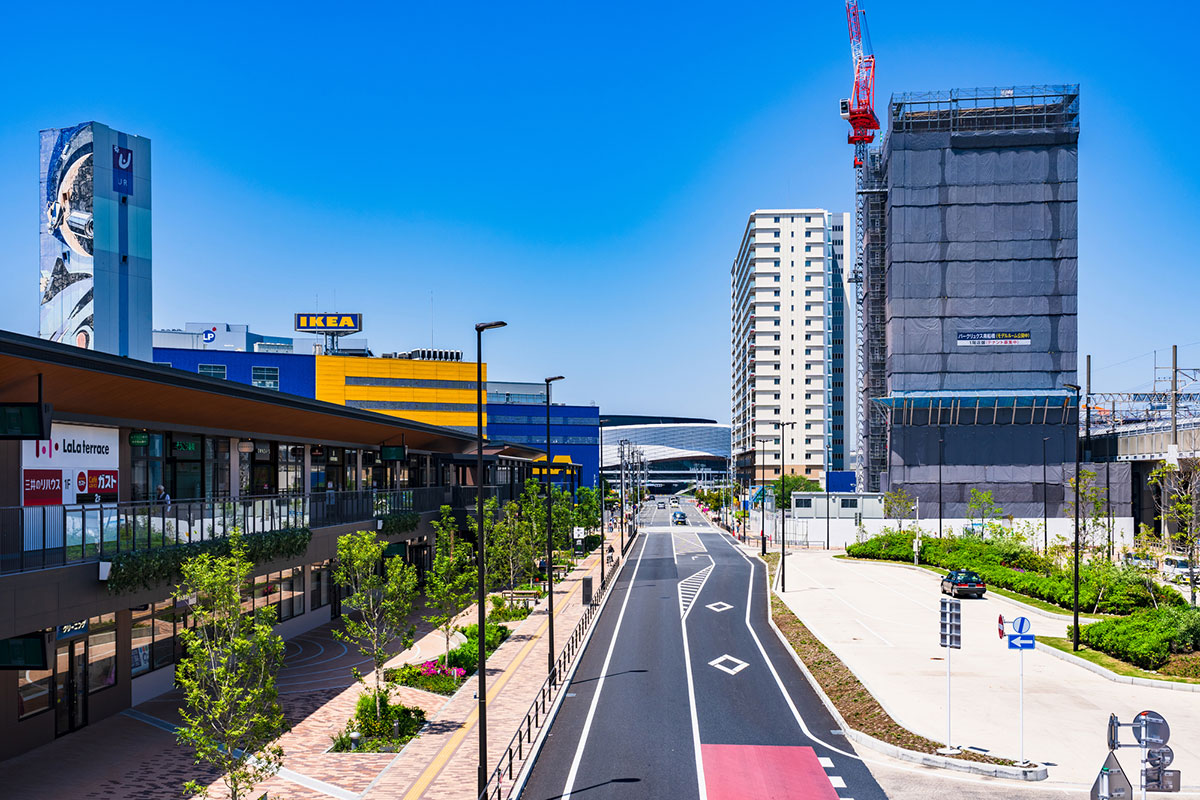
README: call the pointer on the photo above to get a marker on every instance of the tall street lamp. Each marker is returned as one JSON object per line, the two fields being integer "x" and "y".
{"x": 762, "y": 501}
{"x": 480, "y": 598}
{"x": 549, "y": 537}
{"x": 786, "y": 498}
{"x": 1045, "y": 501}
{"x": 600, "y": 494}
{"x": 1075, "y": 633}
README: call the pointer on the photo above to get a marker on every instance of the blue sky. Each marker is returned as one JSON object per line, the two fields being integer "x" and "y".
{"x": 583, "y": 172}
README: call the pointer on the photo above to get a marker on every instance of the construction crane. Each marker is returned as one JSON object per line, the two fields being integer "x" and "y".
{"x": 859, "y": 111}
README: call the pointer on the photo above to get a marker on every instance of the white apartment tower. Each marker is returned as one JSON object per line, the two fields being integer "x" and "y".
{"x": 788, "y": 345}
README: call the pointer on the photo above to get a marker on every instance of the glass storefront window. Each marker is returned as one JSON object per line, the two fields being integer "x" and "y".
{"x": 102, "y": 652}
{"x": 164, "y": 633}
{"x": 33, "y": 691}
{"x": 320, "y": 584}
{"x": 141, "y": 640}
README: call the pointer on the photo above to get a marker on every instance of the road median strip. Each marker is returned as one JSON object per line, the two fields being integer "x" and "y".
{"x": 863, "y": 718}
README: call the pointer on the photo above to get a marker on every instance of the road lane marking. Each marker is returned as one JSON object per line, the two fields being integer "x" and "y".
{"x": 873, "y": 633}
{"x": 837, "y": 782}
{"x": 719, "y": 663}
{"x": 827, "y": 763}
{"x": 719, "y": 606}
{"x": 612, "y": 646}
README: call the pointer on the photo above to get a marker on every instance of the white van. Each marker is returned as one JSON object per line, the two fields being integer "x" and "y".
{"x": 1176, "y": 568}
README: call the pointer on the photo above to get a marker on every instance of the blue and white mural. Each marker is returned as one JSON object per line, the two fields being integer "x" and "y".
{"x": 67, "y": 267}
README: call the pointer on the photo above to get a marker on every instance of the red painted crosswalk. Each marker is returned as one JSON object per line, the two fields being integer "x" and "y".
{"x": 764, "y": 772}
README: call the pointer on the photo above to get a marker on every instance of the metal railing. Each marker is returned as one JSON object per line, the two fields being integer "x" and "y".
{"x": 36, "y": 537}
{"x": 521, "y": 744}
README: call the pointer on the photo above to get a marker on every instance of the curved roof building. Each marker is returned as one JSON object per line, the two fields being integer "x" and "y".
{"x": 678, "y": 453}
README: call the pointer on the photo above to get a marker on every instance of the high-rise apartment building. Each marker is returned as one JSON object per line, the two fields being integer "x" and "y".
{"x": 788, "y": 345}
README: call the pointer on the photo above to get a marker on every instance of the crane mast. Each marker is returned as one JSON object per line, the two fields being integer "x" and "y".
{"x": 859, "y": 111}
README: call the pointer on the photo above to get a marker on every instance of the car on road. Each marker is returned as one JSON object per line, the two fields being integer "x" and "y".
{"x": 678, "y": 518}
{"x": 662, "y": 504}
{"x": 675, "y": 502}
{"x": 963, "y": 583}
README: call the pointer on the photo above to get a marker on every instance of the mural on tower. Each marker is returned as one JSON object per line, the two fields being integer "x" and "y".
{"x": 67, "y": 278}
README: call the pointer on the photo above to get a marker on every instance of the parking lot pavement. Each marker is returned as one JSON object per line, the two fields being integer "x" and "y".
{"x": 882, "y": 621}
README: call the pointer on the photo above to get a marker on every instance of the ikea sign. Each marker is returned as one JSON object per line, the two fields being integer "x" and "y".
{"x": 329, "y": 323}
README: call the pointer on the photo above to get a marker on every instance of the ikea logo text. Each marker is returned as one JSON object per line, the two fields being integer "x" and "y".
{"x": 329, "y": 323}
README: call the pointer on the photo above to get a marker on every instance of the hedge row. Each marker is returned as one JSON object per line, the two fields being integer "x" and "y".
{"x": 1011, "y": 566}
{"x": 1145, "y": 639}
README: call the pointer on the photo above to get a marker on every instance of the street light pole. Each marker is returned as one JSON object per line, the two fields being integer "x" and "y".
{"x": 787, "y": 501}
{"x": 549, "y": 539}
{"x": 762, "y": 502}
{"x": 481, "y": 566}
{"x": 828, "y": 461}
{"x": 1045, "y": 501}
{"x": 1075, "y": 630}
{"x": 601, "y": 494}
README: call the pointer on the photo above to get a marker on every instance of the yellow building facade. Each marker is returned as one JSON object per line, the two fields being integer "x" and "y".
{"x": 434, "y": 392}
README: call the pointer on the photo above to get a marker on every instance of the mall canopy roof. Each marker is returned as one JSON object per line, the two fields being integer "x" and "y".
{"x": 88, "y": 386}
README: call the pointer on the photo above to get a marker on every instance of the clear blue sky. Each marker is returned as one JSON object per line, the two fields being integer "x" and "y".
{"x": 583, "y": 172}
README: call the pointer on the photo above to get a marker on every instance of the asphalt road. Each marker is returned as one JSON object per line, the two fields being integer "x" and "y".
{"x": 685, "y": 692}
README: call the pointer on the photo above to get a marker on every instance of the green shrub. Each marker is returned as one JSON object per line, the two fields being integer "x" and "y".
{"x": 1007, "y": 563}
{"x": 378, "y": 733}
{"x": 1145, "y": 639}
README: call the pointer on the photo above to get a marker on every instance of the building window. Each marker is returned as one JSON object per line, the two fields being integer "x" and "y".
{"x": 847, "y": 502}
{"x": 265, "y": 377}
{"x": 33, "y": 691}
{"x": 803, "y": 502}
{"x": 102, "y": 652}
{"x": 776, "y": 248}
{"x": 777, "y": 220}
{"x": 152, "y": 644}
{"x": 212, "y": 370}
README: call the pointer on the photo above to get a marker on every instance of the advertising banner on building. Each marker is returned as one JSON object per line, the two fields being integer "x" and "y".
{"x": 77, "y": 464}
{"x": 994, "y": 338}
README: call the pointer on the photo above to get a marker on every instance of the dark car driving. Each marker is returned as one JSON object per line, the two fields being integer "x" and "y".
{"x": 963, "y": 583}
{"x": 678, "y": 518}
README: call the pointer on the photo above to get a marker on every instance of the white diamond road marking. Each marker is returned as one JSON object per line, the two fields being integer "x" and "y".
{"x": 738, "y": 664}
{"x": 719, "y": 606}
{"x": 827, "y": 763}
{"x": 837, "y": 782}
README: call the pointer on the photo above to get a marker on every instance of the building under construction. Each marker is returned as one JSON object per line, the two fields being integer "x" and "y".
{"x": 969, "y": 293}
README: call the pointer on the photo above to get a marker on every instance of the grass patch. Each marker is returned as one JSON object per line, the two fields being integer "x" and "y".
{"x": 857, "y": 706}
{"x": 1121, "y": 667}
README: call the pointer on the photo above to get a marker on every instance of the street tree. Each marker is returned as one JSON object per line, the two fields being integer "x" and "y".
{"x": 450, "y": 583}
{"x": 1180, "y": 488}
{"x": 981, "y": 506}
{"x": 1093, "y": 517}
{"x": 587, "y": 508}
{"x": 384, "y": 601}
{"x": 898, "y": 505}
{"x": 785, "y": 485}
{"x": 231, "y": 713}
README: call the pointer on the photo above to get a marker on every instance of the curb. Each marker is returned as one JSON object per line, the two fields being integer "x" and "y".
{"x": 1114, "y": 677}
{"x": 1038, "y": 773}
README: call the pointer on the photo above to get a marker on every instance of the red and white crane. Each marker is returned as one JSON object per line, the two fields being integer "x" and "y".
{"x": 859, "y": 110}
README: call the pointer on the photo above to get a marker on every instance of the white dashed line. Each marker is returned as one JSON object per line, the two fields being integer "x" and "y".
{"x": 837, "y": 782}
{"x": 827, "y": 763}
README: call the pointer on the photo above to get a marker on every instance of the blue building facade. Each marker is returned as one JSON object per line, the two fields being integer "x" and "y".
{"x": 285, "y": 372}
{"x": 574, "y": 431}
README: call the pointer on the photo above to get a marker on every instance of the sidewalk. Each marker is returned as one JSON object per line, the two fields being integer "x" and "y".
{"x": 882, "y": 621}
{"x": 134, "y": 754}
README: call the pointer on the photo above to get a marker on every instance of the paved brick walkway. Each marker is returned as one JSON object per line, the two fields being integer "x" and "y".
{"x": 135, "y": 755}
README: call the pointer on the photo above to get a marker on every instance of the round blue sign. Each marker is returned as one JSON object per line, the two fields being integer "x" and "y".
{"x": 210, "y": 336}
{"x": 1021, "y": 625}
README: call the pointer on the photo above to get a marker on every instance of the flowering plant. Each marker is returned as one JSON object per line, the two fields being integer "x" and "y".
{"x": 432, "y": 668}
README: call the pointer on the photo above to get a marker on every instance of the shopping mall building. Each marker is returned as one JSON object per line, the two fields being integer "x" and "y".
{"x": 76, "y": 648}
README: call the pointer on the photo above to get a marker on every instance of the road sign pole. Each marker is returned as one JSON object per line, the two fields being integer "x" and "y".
{"x": 1021, "y": 708}
{"x": 949, "y": 740}
{"x": 1145, "y": 746}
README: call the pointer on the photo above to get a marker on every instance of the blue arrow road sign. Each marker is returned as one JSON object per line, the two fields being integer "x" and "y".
{"x": 1021, "y": 641}
{"x": 1021, "y": 625}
